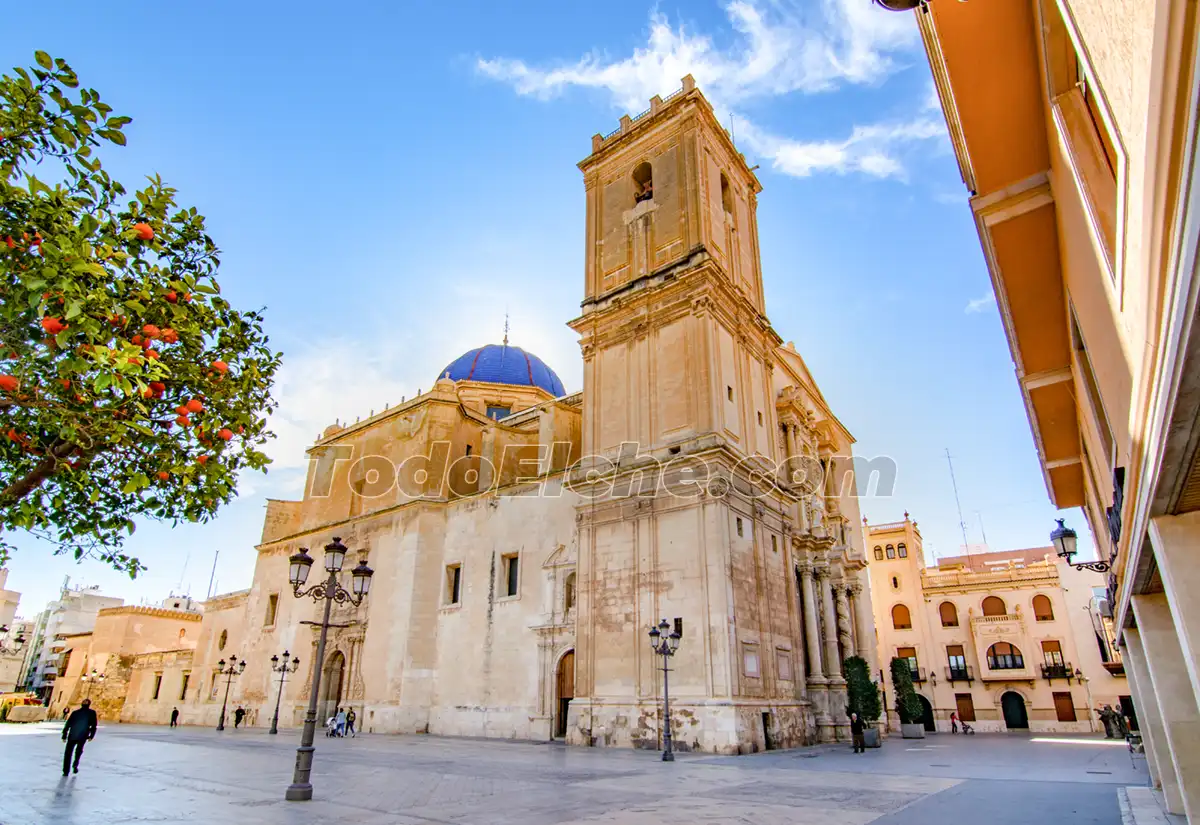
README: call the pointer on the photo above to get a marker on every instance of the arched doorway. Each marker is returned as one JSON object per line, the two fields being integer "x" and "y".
{"x": 564, "y": 692}
{"x": 1015, "y": 716}
{"x": 927, "y": 714}
{"x": 332, "y": 680}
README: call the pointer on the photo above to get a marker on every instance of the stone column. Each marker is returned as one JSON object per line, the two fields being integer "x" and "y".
{"x": 864, "y": 627}
{"x": 793, "y": 442}
{"x": 845, "y": 628}
{"x": 1150, "y": 724}
{"x": 1175, "y": 697}
{"x": 1175, "y": 539}
{"x": 812, "y": 633}
{"x": 833, "y": 670}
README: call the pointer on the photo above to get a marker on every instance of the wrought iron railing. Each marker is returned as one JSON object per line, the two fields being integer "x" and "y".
{"x": 960, "y": 674}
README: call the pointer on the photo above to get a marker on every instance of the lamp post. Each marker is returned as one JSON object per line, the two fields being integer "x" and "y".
{"x": 664, "y": 641}
{"x": 283, "y": 669}
{"x": 235, "y": 668}
{"x": 90, "y": 679}
{"x": 13, "y": 648}
{"x": 330, "y": 591}
{"x": 1064, "y": 539}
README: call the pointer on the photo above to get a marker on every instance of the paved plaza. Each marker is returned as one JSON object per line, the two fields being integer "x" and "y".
{"x": 159, "y": 775}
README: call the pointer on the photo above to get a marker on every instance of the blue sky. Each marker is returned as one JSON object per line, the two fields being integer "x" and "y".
{"x": 388, "y": 179}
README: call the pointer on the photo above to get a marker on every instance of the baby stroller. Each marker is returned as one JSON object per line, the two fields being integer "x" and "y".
{"x": 331, "y": 726}
{"x": 968, "y": 729}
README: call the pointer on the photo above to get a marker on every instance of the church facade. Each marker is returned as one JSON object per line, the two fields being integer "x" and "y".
{"x": 525, "y": 539}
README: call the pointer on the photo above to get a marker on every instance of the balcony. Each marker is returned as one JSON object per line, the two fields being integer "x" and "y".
{"x": 960, "y": 674}
{"x": 1057, "y": 670}
{"x": 918, "y": 675}
{"x": 1116, "y": 668}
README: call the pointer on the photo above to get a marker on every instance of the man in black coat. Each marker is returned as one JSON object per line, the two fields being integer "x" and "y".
{"x": 80, "y": 728}
{"x": 857, "y": 729}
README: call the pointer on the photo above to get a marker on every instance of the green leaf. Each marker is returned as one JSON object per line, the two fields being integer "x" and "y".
{"x": 43, "y": 60}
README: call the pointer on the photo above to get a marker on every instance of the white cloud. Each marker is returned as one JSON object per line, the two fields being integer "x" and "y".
{"x": 869, "y": 150}
{"x": 980, "y": 304}
{"x": 779, "y": 47}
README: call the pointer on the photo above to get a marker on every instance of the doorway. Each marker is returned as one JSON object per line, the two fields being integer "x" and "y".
{"x": 964, "y": 703}
{"x": 1129, "y": 713}
{"x": 927, "y": 715}
{"x": 331, "y": 686}
{"x": 564, "y": 692}
{"x": 1015, "y": 716}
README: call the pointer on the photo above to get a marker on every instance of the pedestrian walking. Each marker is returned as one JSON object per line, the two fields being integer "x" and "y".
{"x": 351, "y": 716}
{"x": 238, "y": 716}
{"x": 66, "y": 711}
{"x": 341, "y": 722}
{"x": 174, "y": 717}
{"x": 80, "y": 728}
{"x": 954, "y": 722}
{"x": 857, "y": 730}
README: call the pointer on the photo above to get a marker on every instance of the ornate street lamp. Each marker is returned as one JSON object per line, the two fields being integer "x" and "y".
{"x": 901, "y": 5}
{"x": 1064, "y": 539}
{"x": 283, "y": 669}
{"x": 235, "y": 668}
{"x": 91, "y": 679}
{"x": 664, "y": 641}
{"x": 331, "y": 591}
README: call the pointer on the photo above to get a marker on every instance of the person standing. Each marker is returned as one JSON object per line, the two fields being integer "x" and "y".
{"x": 174, "y": 717}
{"x": 341, "y": 722}
{"x": 351, "y": 716}
{"x": 954, "y": 722}
{"x": 857, "y": 729}
{"x": 238, "y": 716}
{"x": 66, "y": 711}
{"x": 79, "y": 729}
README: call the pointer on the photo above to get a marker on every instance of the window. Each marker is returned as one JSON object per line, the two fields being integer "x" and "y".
{"x": 216, "y": 684}
{"x": 272, "y": 606}
{"x": 187, "y": 677}
{"x": 878, "y": 553}
{"x": 750, "y": 664}
{"x": 726, "y": 196}
{"x": 1003, "y": 656}
{"x": 760, "y": 418}
{"x": 1052, "y": 652}
{"x": 774, "y": 544}
{"x": 643, "y": 183}
{"x": 729, "y": 393}
{"x": 891, "y": 552}
{"x": 739, "y": 527}
{"x": 949, "y": 614}
{"x": 1043, "y": 611}
{"x": 222, "y": 639}
{"x": 902, "y": 550}
{"x": 454, "y": 583}
{"x": 496, "y": 413}
{"x": 994, "y": 606}
{"x": 468, "y": 450}
{"x": 895, "y": 583}
{"x": 1064, "y": 706}
{"x": 157, "y": 686}
{"x": 569, "y": 592}
{"x": 1094, "y": 400}
{"x": 510, "y": 568}
{"x": 901, "y": 618}
{"x": 957, "y": 660}
{"x": 909, "y": 653}
{"x": 783, "y": 663}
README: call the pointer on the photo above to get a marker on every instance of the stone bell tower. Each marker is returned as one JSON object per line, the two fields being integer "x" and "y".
{"x": 678, "y": 516}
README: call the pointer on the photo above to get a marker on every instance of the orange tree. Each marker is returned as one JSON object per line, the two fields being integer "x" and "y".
{"x": 128, "y": 386}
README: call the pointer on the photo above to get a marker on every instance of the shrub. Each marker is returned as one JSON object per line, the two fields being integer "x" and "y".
{"x": 908, "y": 706}
{"x": 862, "y": 694}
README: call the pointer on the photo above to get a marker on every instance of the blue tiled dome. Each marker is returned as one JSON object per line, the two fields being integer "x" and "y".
{"x": 504, "y": 364}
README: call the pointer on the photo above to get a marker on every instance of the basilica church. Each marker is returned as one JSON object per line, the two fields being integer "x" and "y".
{"x": 525, "y": 538}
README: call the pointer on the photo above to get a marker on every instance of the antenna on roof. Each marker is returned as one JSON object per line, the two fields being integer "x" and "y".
{"x": 506, "y": 327}
{"x": 962, "y": 524}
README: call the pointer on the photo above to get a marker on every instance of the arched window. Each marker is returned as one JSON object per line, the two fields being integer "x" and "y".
{"x": 901, "y": 618}
{"x": 895, "y": 583}
{"x": 643, "y": 183}
{"x": 949, "y": 614}
{"x": 878, "y": 553}
{"x": 569, "y": 592}
{"x": 1003, "y": 656}
{"x": 891, "y": 552}
{"x": 902, "y": 550}
{"x": 726, "y": 195}
{"x": 994, "y": 606}
{"x": 1043, "y": 611}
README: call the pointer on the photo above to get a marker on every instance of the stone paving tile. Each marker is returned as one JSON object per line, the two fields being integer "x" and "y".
{"x": 154, "y": 775}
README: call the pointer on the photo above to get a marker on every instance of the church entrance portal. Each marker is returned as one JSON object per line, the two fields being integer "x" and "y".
{"x": 927, "y": 714}
{"x": 331, "y": 686}
{"x": 564, "y": 692}
{"x": 1015, "y": 716}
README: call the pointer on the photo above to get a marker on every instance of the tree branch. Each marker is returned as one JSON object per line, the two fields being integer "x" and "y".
{"x": 35, "y": 477}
